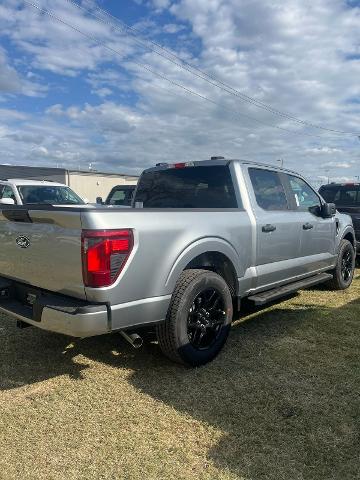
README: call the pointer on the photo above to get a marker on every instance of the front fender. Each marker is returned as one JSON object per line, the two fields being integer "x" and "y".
{"x": 200, "y": 246}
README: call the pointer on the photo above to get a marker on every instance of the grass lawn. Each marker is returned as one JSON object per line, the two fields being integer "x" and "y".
{"x": 280, "y": 402}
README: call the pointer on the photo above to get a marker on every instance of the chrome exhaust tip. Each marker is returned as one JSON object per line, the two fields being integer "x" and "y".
{"x": 133, "y": 338}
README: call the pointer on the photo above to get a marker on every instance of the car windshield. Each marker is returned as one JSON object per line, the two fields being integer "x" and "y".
{"x": 48, "y": 194}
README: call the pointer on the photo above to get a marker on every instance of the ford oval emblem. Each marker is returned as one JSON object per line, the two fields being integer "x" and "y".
{"x": 22, "y": 241}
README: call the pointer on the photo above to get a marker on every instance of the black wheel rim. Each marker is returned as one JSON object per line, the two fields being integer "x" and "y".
{"x": 206, "y": 317}
{"x": 347, "y": 265}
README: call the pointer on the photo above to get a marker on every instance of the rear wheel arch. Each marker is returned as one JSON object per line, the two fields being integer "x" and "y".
{"x": 213, "y": 254}
{"x": 219, "y": 263}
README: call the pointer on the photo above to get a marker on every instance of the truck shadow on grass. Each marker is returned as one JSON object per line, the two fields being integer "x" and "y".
{"x": 31, "y": 355}
{"x": 284, "y": 392}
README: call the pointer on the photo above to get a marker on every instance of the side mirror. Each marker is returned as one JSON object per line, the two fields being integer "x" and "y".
{"x": 99, "y": 200}
{"x": 7, "y": 201}
{"x": 328, "y": 210}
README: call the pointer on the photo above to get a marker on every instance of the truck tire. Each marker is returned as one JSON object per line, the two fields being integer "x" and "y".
{"x": 198, "y": 320}
{"x": 344, "y": 270}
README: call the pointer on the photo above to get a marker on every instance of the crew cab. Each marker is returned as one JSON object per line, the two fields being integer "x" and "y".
{"x": 36, "y": 192}
{"x": 200, "y": 237}
{"x": 346, "y": 197}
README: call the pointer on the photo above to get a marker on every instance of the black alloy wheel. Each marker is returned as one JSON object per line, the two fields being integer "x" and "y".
{"x": 206, "y": 316}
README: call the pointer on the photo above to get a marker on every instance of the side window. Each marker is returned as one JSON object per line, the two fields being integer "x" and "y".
{"x": 304, "y": 195}
{"x": 117, "y": 198}
{"x": 330, "y": 194}
{"x": 7, "y": 192}
{"x": 269, "y": 191}
{"x": 348, "y": 196}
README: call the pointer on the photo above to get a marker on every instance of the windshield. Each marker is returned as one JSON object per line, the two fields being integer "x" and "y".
{"x": 48, "y": 194}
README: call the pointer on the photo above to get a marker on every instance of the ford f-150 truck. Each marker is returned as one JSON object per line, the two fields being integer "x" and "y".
{"x": 199, "y": 238}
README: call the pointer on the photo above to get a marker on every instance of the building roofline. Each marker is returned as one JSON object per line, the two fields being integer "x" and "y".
{"x": 70, "y": 170}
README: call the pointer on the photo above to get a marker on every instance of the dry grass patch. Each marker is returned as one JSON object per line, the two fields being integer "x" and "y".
{"x": 281, "y": 401}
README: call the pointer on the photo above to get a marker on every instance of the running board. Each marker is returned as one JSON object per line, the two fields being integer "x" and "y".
{"x": 271, "y": 295}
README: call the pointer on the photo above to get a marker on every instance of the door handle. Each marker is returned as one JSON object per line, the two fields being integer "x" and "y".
{"x": 268, "y": 228}
{"x": 308, "y": 226}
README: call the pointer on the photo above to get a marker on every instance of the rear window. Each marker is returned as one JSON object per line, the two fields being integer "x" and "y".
{"x": 341, "y": 195}
{"x": 190, "y": 187}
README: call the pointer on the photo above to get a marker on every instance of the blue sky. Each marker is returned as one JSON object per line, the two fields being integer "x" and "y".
{"x": 69, "y": 100}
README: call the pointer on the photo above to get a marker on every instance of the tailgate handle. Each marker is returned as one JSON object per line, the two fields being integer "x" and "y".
{"x": 17, "y": 215}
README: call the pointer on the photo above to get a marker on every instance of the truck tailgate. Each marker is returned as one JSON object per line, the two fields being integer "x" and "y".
{"x": 42, "y": 247}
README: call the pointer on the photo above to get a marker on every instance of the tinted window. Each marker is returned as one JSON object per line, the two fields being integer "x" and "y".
{"x": 53, "y": 195}
{"x": 341, "y": 195}
{"x": 303, "y": 195}
{"x": 268, "y": 189}
{"x": 120, "y": 196}
{"x": 190, "y": 187}
{"x": 329, "y": 194}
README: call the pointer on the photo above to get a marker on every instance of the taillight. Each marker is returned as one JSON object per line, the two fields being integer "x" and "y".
{"x": 104, "y": 254}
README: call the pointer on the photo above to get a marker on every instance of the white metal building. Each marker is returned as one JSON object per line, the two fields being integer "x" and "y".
{"x": 87, "y": 184}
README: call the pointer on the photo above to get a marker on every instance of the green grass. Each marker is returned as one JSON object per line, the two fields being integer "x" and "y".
{"x": 280, "y": 402}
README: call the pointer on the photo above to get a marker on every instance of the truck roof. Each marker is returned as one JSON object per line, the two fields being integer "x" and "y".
{"x": 220, "y": 161}
{"x": 337, "y": 185}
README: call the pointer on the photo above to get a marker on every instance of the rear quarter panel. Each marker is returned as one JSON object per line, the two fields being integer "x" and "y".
{"x": 165, "y": 242}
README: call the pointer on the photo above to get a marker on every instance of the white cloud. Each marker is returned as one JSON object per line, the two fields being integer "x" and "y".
{"x": 9, "y": 79}
{"x": 12, "y": 83}
{"x": 324, "y": 150}
{"x": 55, "y": 47}
{"x": 160, "y": 4}
{"x": 294, "y": 56}
{"x": 173, "y": 28}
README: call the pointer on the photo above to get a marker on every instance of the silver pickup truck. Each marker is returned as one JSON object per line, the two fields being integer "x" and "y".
{"x": 200, "y": 237}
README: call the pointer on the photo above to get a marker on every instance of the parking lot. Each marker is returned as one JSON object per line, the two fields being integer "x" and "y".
{"x": 281, "y": 401}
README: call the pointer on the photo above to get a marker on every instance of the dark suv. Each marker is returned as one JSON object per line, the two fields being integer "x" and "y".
{"x": 346, "y": 197}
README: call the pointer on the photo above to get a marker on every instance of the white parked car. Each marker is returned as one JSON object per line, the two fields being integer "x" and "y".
{"x": 34, "y": 192}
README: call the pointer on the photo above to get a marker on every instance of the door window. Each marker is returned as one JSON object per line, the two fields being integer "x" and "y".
{"x": 268, "y": 189}
{"x": 304, "y": 196}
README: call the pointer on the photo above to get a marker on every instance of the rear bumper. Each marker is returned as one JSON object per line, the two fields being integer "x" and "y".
{"x": 73, "y": 317}
{"x": 55, "y": 313}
